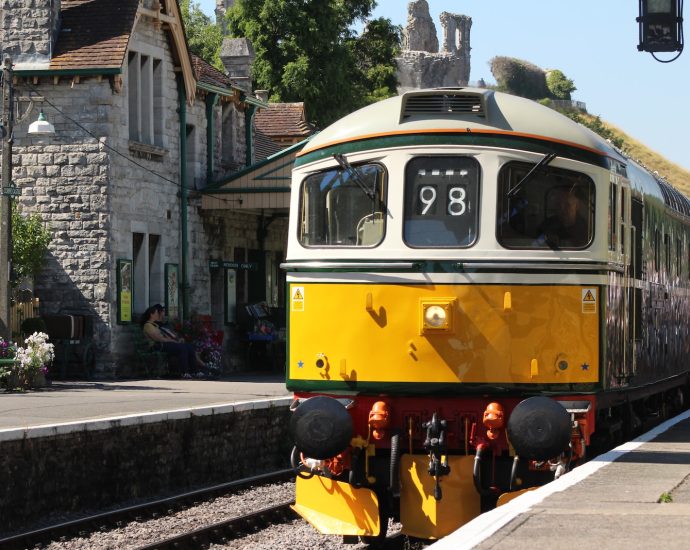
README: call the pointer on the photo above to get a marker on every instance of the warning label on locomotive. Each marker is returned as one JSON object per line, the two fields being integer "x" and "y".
{"x": 298, "y": 298}
{"x": 589, "y": 300}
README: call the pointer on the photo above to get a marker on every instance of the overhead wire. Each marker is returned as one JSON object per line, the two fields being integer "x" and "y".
{"x": 116, "y": 151}
{"x": 106, "y": 145}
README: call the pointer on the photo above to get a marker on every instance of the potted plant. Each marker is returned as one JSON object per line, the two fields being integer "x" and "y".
{"x": 7, "y": 361}
{"x": 24, "y": 367}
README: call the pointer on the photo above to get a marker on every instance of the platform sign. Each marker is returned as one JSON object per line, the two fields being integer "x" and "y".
{"x": 124, "y": 291}
{"x": 12, "y": 191}
{"x": 172, "y": 291}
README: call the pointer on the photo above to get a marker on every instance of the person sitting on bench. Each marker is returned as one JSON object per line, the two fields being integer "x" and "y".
{"x": 163, "y": 339}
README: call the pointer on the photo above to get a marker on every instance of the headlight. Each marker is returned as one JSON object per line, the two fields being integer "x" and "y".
{"x": 437, "y": 315}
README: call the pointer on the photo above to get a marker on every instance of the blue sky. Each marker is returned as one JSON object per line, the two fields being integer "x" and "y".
{"x": 594, "y": 43}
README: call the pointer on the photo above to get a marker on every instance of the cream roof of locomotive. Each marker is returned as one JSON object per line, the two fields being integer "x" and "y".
{"x": 504, "y": 113}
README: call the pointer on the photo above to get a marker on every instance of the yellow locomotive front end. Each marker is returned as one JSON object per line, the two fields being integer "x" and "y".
{"x": 445, "y": 322}
{"x": 428, "y": 337}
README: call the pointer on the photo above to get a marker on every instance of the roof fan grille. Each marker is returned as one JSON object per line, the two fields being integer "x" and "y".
{"x": 444, "y": 104}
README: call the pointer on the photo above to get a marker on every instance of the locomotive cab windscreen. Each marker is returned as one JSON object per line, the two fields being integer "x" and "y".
{"x": 343, "y": 207}
{"x": 551, "y": 209}
{"x": 441, "y": 202}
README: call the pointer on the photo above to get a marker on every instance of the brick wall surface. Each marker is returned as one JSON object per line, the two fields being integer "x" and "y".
{"x": 90, "y": 470}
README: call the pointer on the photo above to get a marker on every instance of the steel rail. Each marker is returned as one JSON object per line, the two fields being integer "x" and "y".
{"x": 229, "y": 528}
{"x": 27, "y": 538}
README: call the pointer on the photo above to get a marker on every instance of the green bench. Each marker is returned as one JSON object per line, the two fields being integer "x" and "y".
{"x": 149, "y": 361}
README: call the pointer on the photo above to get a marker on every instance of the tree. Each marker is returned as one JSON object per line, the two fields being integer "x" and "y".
{"x": 559, "y": 85}
{"x": 519, "y": 77}
{"x": 30, "y": 242}
{"x": 374, "y": 53}
{"x": 204, "y": 37}
{"x": 307, "y": 51}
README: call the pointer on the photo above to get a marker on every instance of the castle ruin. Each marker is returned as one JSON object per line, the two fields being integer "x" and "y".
{"x": 421, "y": 64}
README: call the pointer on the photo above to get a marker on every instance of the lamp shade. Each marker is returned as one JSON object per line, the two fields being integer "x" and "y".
{"x": 41, "y": 126}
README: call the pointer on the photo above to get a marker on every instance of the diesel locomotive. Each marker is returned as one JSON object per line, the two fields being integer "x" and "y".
{"x": 479, "y": 290}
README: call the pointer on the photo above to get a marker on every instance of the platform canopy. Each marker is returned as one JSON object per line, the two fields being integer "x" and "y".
{"x": 261, "y": 186}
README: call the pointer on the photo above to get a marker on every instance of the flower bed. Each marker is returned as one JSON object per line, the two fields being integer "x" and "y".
{"x": 207, "y": 341}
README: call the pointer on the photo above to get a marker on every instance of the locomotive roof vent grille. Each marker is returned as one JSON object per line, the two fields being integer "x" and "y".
{"x": 443, "y": 103}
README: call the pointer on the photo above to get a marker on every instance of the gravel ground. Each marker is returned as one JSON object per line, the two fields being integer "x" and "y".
{"x": 294, "y": 535}
{"x": 134, "y": 533}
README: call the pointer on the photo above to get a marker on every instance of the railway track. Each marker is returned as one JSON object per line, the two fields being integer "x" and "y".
{"x": 154, "y": 509}
{"x": 225, "y": 530}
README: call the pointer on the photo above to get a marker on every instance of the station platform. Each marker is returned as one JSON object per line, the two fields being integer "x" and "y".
{"x": 636, "y": 496}
{"x": 78, "y": 401}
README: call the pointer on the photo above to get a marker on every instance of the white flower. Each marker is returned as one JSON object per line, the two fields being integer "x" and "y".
{"x": 37, "y": 353}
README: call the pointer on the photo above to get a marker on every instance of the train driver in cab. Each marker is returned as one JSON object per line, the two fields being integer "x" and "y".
{"x": 565, "y": 227}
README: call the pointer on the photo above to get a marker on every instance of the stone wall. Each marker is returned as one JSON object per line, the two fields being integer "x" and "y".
{"x": 66, "y": 179}
{"x": 95, "y": 465}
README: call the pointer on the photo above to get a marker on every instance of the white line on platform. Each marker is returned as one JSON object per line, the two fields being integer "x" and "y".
{"x": 485, "y": 525}
{"x": 94, "y": 424}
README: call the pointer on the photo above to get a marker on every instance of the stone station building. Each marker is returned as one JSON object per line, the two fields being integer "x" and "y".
{"x": 143, "y": 132}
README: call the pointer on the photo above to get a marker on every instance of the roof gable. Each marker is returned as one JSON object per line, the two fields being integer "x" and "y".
{"x": 283, "y": 120}
{"x": 94, "y": 35}
{"x": 206, "y": 73}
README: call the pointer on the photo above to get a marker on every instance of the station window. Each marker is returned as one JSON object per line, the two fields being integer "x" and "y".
{"x": 145, "y": 98}
{"x": 343, "y": 207}
{"x": 549, "y": 209}
{"x": 441, "y": 202}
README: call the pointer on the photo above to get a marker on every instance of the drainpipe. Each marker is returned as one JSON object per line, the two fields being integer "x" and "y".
{"x": 184, "y": 281}
{"x": 248, "y": 125}
{"x": 211, "y": 102}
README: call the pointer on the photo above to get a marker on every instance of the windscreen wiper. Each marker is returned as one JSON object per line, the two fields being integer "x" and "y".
{"x": 543, "y": 162}
{"x": 354, "y": 174}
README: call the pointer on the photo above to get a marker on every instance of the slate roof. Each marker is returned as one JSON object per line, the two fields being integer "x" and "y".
{"x": 264, "y": 146}
{"x": 283, "y": 121}
{"x": 93, "y": 34}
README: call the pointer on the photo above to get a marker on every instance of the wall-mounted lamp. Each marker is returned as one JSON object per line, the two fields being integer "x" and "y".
{"x": 41, "y": 126}
{"x": 661, "y": 27}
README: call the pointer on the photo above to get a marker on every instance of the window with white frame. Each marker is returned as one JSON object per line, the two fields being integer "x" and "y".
{"x": 145, "y": 89}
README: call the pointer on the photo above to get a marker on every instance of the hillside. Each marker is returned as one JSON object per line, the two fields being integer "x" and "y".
{"x": 676, "y": 175}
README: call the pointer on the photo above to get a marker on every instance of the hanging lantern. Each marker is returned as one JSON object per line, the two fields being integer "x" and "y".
{"x": 661, "y": 26}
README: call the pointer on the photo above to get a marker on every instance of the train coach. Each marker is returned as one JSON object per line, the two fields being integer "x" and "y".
{"x": 479, "y": 289}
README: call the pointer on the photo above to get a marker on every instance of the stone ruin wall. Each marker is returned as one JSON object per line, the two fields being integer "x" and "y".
{"x": 421, "y": 64}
